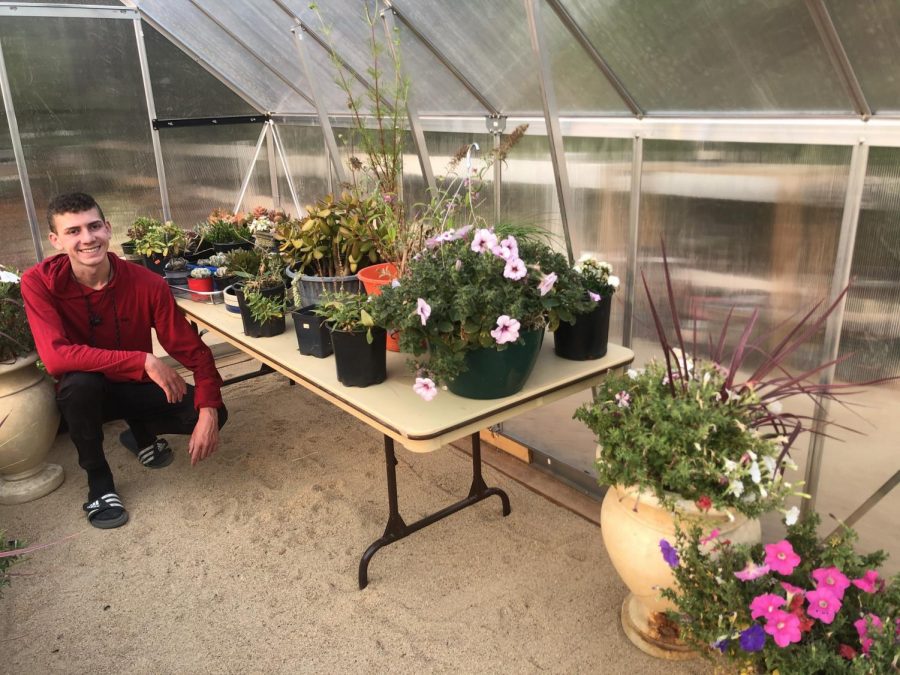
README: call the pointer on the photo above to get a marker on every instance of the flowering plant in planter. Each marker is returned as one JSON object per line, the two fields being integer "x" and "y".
{"x": 476, "y": 288}
{"x": 796, "y": 606}
{"x": 597, "y": 277}
{"x": 15, "y": 335}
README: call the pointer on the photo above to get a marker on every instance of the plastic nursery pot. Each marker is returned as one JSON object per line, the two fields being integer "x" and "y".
{"x": 229, "y": 297}
{"x": 373, "y": 278}
{"x": 495, "y": 374}
{"x": 221, "y": 283}
{"x": 358, "y": 363}
{"x": 204, "y": 252}
{"x": 587, "y": 338}
{"x": 311, "y": 288}
{"x": 313, "y": 336}
{"x": 227, "y": 246}
{"x": 156, "y": 262}
{"x": 176, "y": 277}
{"x": 268, "y": 328}
{"x": 204, "y": 285}
{"x": 128, "y": 247}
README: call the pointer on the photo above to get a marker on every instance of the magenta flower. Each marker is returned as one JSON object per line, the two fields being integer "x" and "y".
{"x": 669, "y": 554}
{"x": 862, "y": 628}
{"x": 507, "y": 330}
{"x": 547, "y": 281}
{"x": 423, "y": 309}
{"x": 425, "y": 387}
{"x": 781, "y": 558}
{"x": 868, "y": 583}
{"x": 752, "y": 571}
{"x": 483, "y": 241}
{"x": 791, "y": 589}
{"x": 765, "y": 605}
{"x": 831, "y": 579}
{"x": 783, "y": 627}
{"x": 596, "y": 297}
{"x": 515, "y": 269}
{"x": 714, "y": 534}
{"x": 822, "y": 605}
{"x": 623, "y": 399}
{"x": 506, "y": 249}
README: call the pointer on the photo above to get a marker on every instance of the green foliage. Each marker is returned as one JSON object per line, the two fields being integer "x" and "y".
{"x": 140, "y": 226}
{"x": 243, "y": 262}
{"x": 224, "y": 227}
{"x": 713, "y": 606}
{"x": 348, "y": 312}
{"x": 15, "y": 335}
{"x": 201, "y": 273}
{"x": 7, "y": 560}
{"x": 467, "y": 292}
{"x": 161, "y": 238}
{"x": 263, "y": 307}
{"x": 690, "y": 444}
{"x": 597, "y": 276}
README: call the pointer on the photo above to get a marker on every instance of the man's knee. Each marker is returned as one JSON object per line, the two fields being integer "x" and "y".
{"x": 81, "y": 389}
{"x": 223, "y": 416}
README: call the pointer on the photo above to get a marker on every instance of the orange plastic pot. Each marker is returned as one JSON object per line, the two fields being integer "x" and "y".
{"x": 373, "y": 278}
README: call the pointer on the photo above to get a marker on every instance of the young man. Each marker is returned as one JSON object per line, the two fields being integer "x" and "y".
{"x": 91, "y": 315}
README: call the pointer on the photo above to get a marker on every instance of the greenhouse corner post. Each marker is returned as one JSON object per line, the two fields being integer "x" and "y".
{"x": 20, "y": 159}
{"x": 551, "y": 117}
{"x": 631, "y": 254}
{"x": 842, "y": 265}
{"x": 151, "y": 114}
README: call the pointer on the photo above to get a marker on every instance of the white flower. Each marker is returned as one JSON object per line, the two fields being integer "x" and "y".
{"x": 755, "y": 475}
{"x": 515, "y": 269}
{"x": 507, "y": 330}
{"x": 770, "y": 465}
{"x": 8, "y": 277}
{"x": 736, "y": 487}
{"x": 791, "y": 515}
{"x": 613, "y": 281}
{"x": 547, "y": 281}
{"x": 775, "y": 407}
{"x": 395, "y": 283}
{"x": 483, "y": 241}
{"x": 730, "y": 466}
{"x": 425, "y": 388}
{"x": 632, "y": 373}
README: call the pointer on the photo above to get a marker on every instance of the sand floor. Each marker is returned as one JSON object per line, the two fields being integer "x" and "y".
{"x": 247, "y": 563}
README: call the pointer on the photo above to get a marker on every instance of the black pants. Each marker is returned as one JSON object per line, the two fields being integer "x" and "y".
{"x": 87, "y": 400}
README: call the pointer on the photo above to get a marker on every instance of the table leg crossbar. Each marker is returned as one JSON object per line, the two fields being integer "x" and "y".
{"x": 397, "y": 528}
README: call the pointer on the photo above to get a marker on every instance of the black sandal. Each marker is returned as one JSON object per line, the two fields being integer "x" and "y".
{"x": 106, "y": 512}
{"x": 154, "y": 456}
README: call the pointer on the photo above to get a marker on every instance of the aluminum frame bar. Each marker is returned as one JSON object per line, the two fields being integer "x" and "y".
{"x": 277, "y": 73}
{"x": 279, "y": 146}
{"x": 831, "y": 345}
{"x": 584, "y": 41}
{"x": 867, "y": 505}
{"x": 151, "y": 116}
{"x": 12, "y": 9}
{"x": 19, "y": 154}
{"x": 838, "y": 56}
{"x": 324, "y": 121}
{"x": 246, "y": 182}
{"x": 440, "y": 56}
{"x": 412, "y": 111}
{"x": 631, "y": 254}
{"x": 551, "y": 117}
{"x": 273, "y": 167}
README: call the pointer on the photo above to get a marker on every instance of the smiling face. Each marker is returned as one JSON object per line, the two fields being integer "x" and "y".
{"x": 84, "y": 237}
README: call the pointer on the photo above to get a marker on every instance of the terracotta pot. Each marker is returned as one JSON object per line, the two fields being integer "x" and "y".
{"x": 373, "y": 278}
{"x": 30, "y": 420}
{"x": 632, "y": 524}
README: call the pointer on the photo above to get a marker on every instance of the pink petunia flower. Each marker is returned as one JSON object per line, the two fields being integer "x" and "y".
{"x": 547, "y": 281}
{"x": 783, "y": 627}
{"x": 862, "y": 628}
{"x": 752, "y": 571}
{"x": 792, "y": 590}
{"x": 765, "y": 605}
{"x": 596, "y": 297}
{"x": 483, "y": 241}
{"x": 822, "y": 605}
{"x": 506, "y": 249}
{"x": 425, "y": 387}
{"x": 832, "y": 579}
{"x": 507, "y": 330}
{"x": 868, "y": 583}
{"x": 781, "y": 558}
{"x": 423, "y": 309}
{"x": 623, "y": 399}
{"x": 714, "y": 534}
{"x": 515, "y": 269}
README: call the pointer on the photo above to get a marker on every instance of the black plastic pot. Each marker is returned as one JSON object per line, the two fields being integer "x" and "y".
{"x": 227, "y": 246}
{"x": 177, "y": 277}
{"x": 221, "y": 283}
{"x": 587, "y": 338}
{"x": 204, "y": 252}
{"x": 268, "y": 328}
{"x": 128, "y": 247}
{"x": 313, "y": 336}
{"x": 156, "y": 262}
{"x": 358, "y": 363}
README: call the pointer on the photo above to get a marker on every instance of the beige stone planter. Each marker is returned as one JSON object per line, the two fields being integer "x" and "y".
{"x": 30, "y": 420}
{"x": 632, "y": 525}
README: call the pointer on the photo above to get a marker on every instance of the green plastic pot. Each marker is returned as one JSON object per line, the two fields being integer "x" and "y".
{"x": 494, "y": 374}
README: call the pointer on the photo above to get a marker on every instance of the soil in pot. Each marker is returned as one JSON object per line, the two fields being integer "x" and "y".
{"x": 586, "y": 338}
{"x": 313, "y": 336}
{"x": 495, "y": 374}
{"x": 358, "y": 363}
{"x": 268, "y": 328}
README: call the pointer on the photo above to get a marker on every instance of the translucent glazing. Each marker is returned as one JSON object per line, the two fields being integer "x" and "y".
{"x": 18, "y": 247}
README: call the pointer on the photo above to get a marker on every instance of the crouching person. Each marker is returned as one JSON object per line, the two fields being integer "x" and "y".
{"x": 91, "y": 315}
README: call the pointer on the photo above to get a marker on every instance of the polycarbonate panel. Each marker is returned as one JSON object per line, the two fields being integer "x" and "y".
{"x": 82, "y": 114}
{"x": 870, "y": 33}
{"x": 18, "y": 247}
{"x": 308, "y": 163}
{"x": 205, "y": 167}
{"x": 182, "y": 88}
{"x": 700, "y": 56}
{"x": 202, "y": 36}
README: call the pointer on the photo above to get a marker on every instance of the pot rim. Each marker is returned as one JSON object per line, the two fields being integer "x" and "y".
{"x": 20, "y": 362}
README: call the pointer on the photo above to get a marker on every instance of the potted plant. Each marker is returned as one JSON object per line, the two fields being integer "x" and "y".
{"x": 358, "y": 344}
{"x": 586, "y": 337}
{"x": 30, "y": 417}
{"x": 313, "y": 335}
{"x": 158, "y": 243}
{"x": 262, "y": 226}
{"x": 195, "y": 246}
{"x": 799, "y": 605}
{"x": 135, "y": 233}
{"x": 689, "y": 439}
{"x": 176, "y": 271}
{"x": 475, "y": 306}
{"x": 200, "y": 280}
{"x": 226, "y": 231}
{"x": 261, "y": 299}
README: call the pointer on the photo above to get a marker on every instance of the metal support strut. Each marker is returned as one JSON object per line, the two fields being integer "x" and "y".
{"x": 397, "y": 528}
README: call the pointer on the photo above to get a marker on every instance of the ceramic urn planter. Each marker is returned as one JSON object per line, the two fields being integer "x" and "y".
{"x": 30, "y": 420}
{"x": 632, "y": 524}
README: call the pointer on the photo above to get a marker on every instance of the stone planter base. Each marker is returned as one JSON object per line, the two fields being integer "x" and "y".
{"x": 33, "y": 485}
{"x": 637, "y": 628}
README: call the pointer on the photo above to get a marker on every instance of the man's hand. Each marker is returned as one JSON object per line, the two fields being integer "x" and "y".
{"x": 205, "y": 439}
{"x": 165, "y": 376}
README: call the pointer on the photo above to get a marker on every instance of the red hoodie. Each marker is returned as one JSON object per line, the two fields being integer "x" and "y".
{"x": 59, "y": 311}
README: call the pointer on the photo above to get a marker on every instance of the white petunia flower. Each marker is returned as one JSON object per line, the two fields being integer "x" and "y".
{"x": 771, "y": 465}
{"x": 632, "y": 373}
{"x": 613, "y": 281}
{"x": 736, "y": 487}
{"x": 8, "y": 277}
{"x": 791, "y": 515}
{"x": 755, "y": 474}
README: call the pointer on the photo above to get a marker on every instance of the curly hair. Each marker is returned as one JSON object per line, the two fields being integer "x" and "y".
{"x": 72, "y": 202}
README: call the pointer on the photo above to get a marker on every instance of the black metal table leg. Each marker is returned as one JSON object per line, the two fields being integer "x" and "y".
{"x": 397, "y": 529}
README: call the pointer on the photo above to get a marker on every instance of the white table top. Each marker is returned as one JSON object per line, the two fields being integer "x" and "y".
{"x": 393, "y": 407}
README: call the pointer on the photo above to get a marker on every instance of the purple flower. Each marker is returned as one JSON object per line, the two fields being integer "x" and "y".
{"x": 753, "y": 639}
{"x": 721, "y": 645}
{"x": 596, "y": 297}
{"x": 507, "y": 330}
{"x": 547, "y": 282}
{"x": 483, "y": 241}
{"x": 515, "y": 269}
{"x": 423, "y": 309}
{"x": 669, "y": 554}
